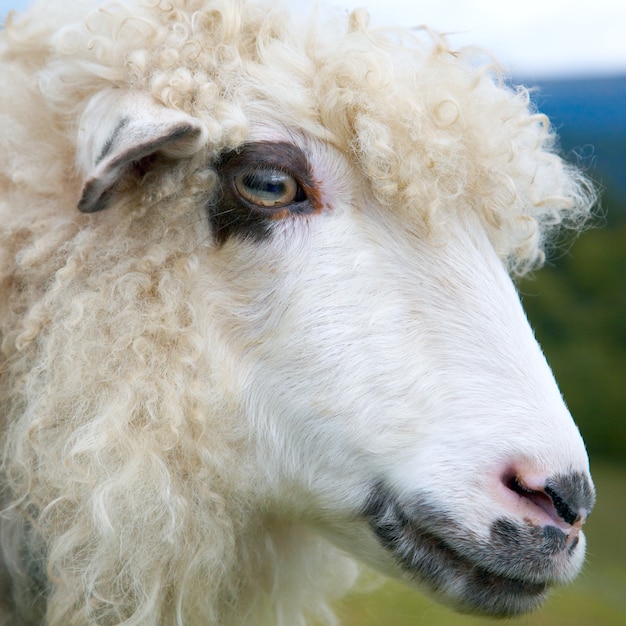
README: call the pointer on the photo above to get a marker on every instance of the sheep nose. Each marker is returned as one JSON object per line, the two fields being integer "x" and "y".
{"x": 566, "y": 498}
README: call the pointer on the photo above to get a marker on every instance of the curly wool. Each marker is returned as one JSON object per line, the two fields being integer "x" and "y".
{"x": 147, "y": 507}
{"x": 426, "y": 124}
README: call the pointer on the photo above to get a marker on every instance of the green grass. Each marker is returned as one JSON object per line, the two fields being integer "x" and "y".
{"x": 596, "y": 598}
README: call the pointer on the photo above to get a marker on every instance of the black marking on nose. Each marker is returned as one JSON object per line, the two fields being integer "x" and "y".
{"x": 572, "y": 496}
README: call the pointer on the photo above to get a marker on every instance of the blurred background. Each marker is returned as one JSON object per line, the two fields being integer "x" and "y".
{"x": 574, "y": 53}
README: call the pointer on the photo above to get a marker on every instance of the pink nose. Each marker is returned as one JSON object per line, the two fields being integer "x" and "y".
{"x": 565, "y": 500}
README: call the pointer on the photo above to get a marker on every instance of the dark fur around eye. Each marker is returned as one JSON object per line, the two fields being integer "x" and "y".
{"x": 251, "y": 169}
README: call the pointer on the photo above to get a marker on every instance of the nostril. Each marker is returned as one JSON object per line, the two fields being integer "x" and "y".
{"x": 566, "y": 498}
{"x": 563, "y": 509}
{"x": 572, "y": 494}
{"x": 539, "y": 498}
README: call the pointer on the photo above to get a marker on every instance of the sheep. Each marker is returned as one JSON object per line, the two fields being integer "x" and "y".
{"x": 259, "y": 323}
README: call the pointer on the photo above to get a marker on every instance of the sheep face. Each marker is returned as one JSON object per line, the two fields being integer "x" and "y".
{"x": 406, "y": 408}
{"x": 395, "y": 393}
{"x": 284, "y": 301}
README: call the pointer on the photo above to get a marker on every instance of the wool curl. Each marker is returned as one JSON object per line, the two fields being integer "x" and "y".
{"x": 431, "y": 128}
{"x": 432, "y": 131}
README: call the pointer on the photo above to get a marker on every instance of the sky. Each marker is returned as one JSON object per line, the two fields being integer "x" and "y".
{"x": 532, "y": 38}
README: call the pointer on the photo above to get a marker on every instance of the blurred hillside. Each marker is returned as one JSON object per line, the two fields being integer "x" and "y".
{"x": 577, "y": 302}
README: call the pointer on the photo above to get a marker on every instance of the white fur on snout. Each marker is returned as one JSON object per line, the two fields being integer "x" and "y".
{"x": 448, "y": 386}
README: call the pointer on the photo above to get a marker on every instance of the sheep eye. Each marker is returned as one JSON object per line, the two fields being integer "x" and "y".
{"x": 261, "y": 183}
{"x": 268, "y": 188}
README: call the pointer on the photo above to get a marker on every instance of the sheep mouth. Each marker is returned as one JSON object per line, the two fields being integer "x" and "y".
{"x": 506, "y": 576}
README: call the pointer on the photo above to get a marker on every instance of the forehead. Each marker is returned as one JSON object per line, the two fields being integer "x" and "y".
{"x": 318, "y": 75}
{"x": 424, "y": 126}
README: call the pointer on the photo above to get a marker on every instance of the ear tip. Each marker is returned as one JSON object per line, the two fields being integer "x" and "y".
{"x": 93, "y": 198}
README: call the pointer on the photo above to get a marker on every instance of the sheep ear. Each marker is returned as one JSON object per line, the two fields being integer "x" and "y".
{"x": 118, "y": 131}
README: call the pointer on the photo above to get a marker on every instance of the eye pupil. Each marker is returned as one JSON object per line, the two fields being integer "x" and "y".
{"x": 268, "y": 188}
{"x": 271, "y": 184}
